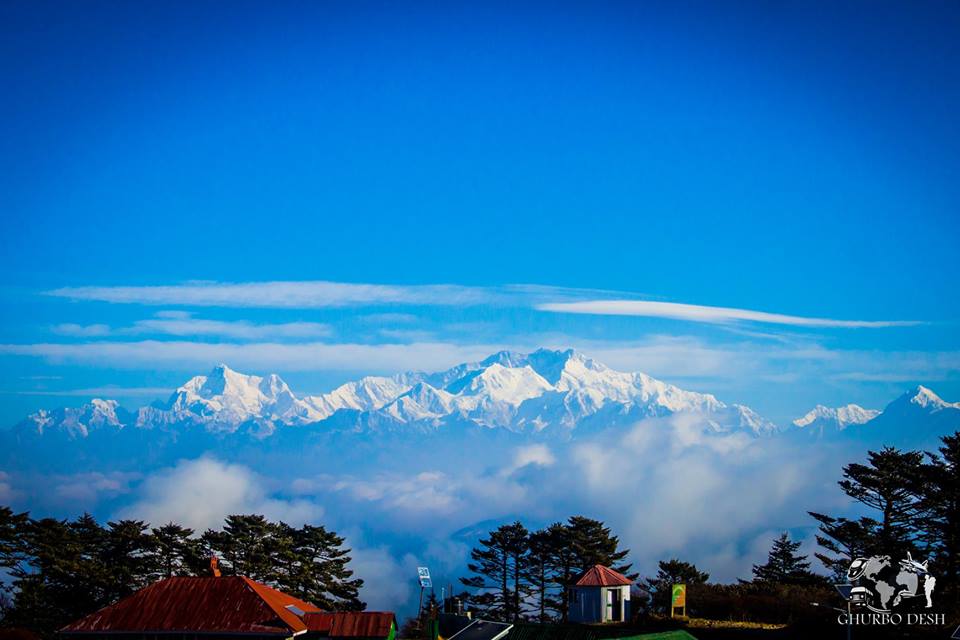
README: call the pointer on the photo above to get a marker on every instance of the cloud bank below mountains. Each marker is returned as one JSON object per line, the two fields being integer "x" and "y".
{"x": 668, "y": 487}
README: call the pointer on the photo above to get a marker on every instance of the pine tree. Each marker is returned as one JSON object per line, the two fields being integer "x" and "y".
{"x": 322, "y": 575}
{"x": 784, "y": 565}
{"x": 593, "y": 544}
{"x": 565, "y": 566}
{"x": 889, "y": 484}
{"x": 244, "y": 545}
{"x": 498, "y": 565}
{"x": 669, "y": 573}
{"x": 176, "y": 552}
{"x": 11, "y": 531}
{"x": 941, "y": 495}
{"x": 61, "y": 577}
{"x": 64, "y": 570}
{"x": 843, "y": 540}
{"x": 539, "y": 568}
{"x": 127, "y": 557}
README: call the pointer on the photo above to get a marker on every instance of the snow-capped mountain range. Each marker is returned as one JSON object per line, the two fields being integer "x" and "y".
{"x": 555, "y": 392}
{"x": 544, "y": 390}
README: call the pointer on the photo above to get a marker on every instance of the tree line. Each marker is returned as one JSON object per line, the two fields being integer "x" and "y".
{"x": 62, "y": 570}
{"x": 909, "y": 503}
{"x": 519, "y": 574}
{"x": 912, "y": 504}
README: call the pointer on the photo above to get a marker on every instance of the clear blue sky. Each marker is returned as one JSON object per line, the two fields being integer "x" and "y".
{"x": 794, "y": 158}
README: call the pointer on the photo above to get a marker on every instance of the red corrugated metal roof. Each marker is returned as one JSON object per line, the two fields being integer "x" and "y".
{"x": 230, "y": 604}
{"x": 351, "y": 624}
{"x": 601, "y": 576}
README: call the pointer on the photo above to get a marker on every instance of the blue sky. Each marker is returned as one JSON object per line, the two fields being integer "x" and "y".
{"x": 798, "y": 159}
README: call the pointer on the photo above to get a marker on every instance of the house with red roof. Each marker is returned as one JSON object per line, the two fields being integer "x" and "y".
{"x": 600, "y": 594}
{"x": 225, "y": 607}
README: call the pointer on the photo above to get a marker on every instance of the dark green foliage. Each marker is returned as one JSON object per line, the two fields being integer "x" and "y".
{"x": 574, "y": 547}
{"x": 669, "y": 573}
{"x": 784, "y": 565}
{"x": 844, "y": 540}
{"x": 177, "y": 552}
{"x": 756, "y": 601}
{"x": 941, "y": 494}
{"x": 499, "y": 566}
{"x": 892, "y": 483}
{"x": 916, "y": 500}
{"x": 308, "y": 562}
{"x": 62, "y": 577}
{"x": 419, "y": 626}
{"x": 522, "y": 575}
{"x": 245, "y": 545}
{"x": 319, "y": 570}
{"x": 63, "y": 570}
{"x": 594, "y": 544}
{"x": 538, "y": 573}
{"x": 11, "y": 550}
{"x": 128, "y": 558}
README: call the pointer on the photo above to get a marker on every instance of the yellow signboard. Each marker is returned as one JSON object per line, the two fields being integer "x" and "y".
{"x": 678, "y": 600}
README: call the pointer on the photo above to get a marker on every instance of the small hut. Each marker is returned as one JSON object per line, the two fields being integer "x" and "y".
{"x": 600, "y": 594}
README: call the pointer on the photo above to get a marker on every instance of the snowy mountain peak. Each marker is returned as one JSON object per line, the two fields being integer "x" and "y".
{"x": 546, "y": 388}
{"x": 225, "y": 399}
{"x": 926, "y": 398}
{"x": 821, "y": 417}
{"x": 76, "y": 422}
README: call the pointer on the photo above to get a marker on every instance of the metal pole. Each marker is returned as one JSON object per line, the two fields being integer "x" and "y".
{"x": 420, "y": 607}
{"x": 849, "y": 625}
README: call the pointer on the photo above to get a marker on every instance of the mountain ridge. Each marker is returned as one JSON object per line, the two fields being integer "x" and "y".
{"x": 546, "y": 390}
{"x": 541, "y": 390}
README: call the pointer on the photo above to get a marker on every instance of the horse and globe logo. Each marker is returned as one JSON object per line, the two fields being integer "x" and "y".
{"x": 881, "y": 584}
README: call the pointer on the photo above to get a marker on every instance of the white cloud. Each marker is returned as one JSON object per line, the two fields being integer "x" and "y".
{"x": 81, "y": 330}
{"x": 538, "y": 455}
{"x": 290, "y": 295}
{"x": 90, "y": 487}
{"x": 325, "y": 294}
{"x": 7, "y": 492}
{"x": 173, "y": 314}
{"x": 178, "y": 323}
{"x": 426, "y": 492}
{"x": 310, "y": 356}
{"x": 666, "y": 486}
{"x": 240, "y": 330}
{"x": 386, "y": 579}
{"x": 699, "y": 497}
{"x": 96, "y": 392}
{"x": 387, "y": 318}
{"x": 200, "y": 493}
{"x": 712, "y": 315}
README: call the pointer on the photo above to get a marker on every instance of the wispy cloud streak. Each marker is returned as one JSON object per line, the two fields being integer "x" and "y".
{"x": 313, "y": 294}
{"x": 324, "y": 294}
{"x": 710, "y": 315}
{"x": 257, "y": 356}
